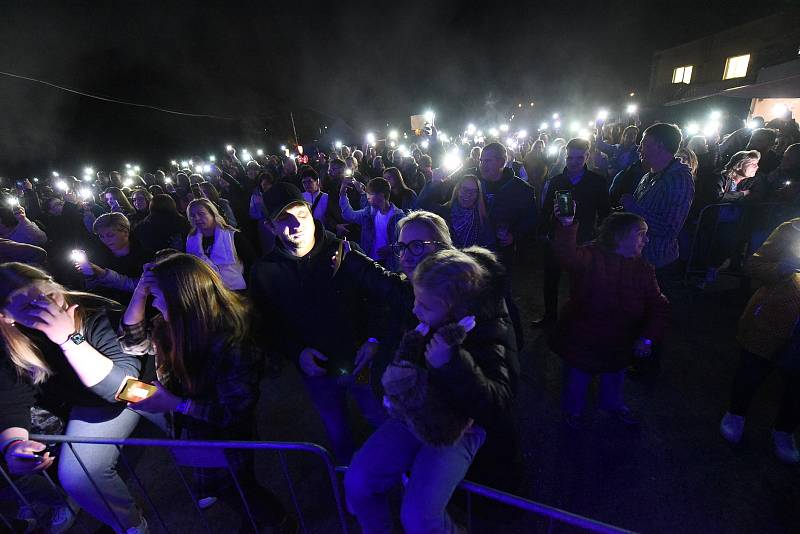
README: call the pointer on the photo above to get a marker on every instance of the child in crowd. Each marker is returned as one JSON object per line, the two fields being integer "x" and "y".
{"x": 449, "y": 380}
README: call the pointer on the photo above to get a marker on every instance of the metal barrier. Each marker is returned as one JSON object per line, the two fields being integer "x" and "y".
{"x": 706, "y": 233}
{"x": 186, "y": 453}
{"x": 206, "y": 454}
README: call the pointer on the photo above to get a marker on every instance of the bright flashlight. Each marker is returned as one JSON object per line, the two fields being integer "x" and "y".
{"x": 493, "y": 132}
{"x": 128, "y": 182}
{"x": 184, "y": 164}
{"x": 283, "y": 148}
{"x": 543, "y": 126}
{"x": 86, "y": 194}
{"x": 212, "y": 158}
{"x": 371, "y": 138}
{"x": 574, "y": 127}
{"x": 12, "y": 201}
{"x": 130, "y": 172}
{"x": 429, "y": 116}
{"x": 246, "y": 156}
{"x": 584, "y": 134}
{"x": 61, "y": 184}
{"x": 780, "y": 110}
{"x": 715, "y": 115}
{"x": 710, "y": 129}
{"x": 602, "y": 114}
{"x": 167, "y": 180}
{"x": 393, "y": 134}
{"x": 557, "y": 125}
{"x": 78, "y": 256}
{"x": 425, "y": 144}
{"x": 752, "y": 125}
{"x": 522, "y": 134}
{"x": 206, "y": 168}
{"x": 127, "y": 165}
{"x": 631, "y": 109}
{"x": 511, "y": 142}
{"x": 259, "y": 152}
{"x": 504, "y": 127}
{"x": 55, "y": 174}
{"x": 692, "y": 128}
{"x": 136, "y": 168}
{"x": 470, "y": 129}
{"x": 338, "y": 144}
{"x": 452, "y": 160}
{"x": 173, "y": 162}
{"x": 88, "y": 170}
{"x": 555, "y": 116}
{"x": 552, "y": 150}
{"x": 229, "y": 148}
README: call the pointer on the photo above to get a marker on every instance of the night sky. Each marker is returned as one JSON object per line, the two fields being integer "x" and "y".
{"x": 353, "y": 68}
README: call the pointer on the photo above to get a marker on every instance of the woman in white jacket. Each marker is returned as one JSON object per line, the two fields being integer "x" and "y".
{"x": 218, "y": 244}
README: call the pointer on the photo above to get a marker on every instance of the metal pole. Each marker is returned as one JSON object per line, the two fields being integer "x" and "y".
{"x": 296, "y": 139}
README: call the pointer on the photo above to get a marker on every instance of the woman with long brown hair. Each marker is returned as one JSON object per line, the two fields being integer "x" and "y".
{"x": 208, "y": 366}
{"x": 61, "y": 353}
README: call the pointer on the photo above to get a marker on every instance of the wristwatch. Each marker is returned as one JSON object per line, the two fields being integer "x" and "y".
{"x": 76, "y": 337}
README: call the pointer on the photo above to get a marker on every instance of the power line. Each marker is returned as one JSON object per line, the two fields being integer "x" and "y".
{"x": 116, "y": 100}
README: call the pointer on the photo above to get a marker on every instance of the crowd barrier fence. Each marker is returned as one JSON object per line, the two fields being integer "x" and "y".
{"x": 210, "y": 454}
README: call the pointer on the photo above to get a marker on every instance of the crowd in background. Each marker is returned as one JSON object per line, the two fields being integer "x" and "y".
{"x": 385, "y": 274}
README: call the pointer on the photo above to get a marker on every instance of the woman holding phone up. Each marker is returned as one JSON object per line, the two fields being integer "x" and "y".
{"x": 61, "y": 353}
{"x": 209, "y": 368}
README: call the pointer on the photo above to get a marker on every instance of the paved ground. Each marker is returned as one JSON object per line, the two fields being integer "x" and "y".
{"x": 673, "y": 474}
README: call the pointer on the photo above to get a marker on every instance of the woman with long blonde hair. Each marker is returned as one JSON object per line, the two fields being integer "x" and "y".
{"x": 61, "y": 353}
{"x": 218, "y": 244}
{"x": 208, "y": 366}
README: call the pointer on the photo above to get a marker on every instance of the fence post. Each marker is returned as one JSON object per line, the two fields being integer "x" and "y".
{"x": 189, "y": 491}
{"x": 141, "y": 487}
{"x": 286, "y": 475}
{"x": 94, "y": 484}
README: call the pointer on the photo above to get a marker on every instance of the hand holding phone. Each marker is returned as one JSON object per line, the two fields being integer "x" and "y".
{"x": 26, "y": 457}
{"x": 134, "y": 390}
{"x": 81, "y": 262}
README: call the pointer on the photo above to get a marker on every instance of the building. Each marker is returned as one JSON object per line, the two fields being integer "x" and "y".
{"x": 748, "y": 61}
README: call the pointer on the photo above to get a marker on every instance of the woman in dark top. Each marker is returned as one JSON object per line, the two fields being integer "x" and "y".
{"x": 466, "y": 215}
{"x": 209, "y": 368}
{"x": 218, "y": 244}
{"x": 164, "y": 227}
{"x": 402, "y": 196}
{"x": 141, "y": 199}
{"x": 61, "y": 353}
{"x": 115, "y": 271}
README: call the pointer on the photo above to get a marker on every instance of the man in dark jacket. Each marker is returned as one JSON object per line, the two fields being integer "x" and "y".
{"x": 592, "y": 206}
{"x": 296, "y": 285}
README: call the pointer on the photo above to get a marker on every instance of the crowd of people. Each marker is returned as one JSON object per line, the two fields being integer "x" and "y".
{"x": 387, "y": 277}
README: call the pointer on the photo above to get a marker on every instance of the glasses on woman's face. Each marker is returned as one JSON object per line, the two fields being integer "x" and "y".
{"x": 416, "y": 247}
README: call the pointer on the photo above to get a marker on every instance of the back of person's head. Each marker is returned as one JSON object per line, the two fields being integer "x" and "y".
{"x": 475, "y": 153}
{"x": 630, "y": 130}
{"x": 455, "y": 278}
{"x": 578, "y": 143}
{"x": 163, "y": 204}
{"x": 308, "y": 172}
{"x": 156, "y": 190}
{"x": 762, "y": 139}
{"x": 394, "y": 176}
{"x": 435, "y": 224}
{"x": 615, "y": 228}
{"x": 379, "y": 186}
{"x": 740, "y": 159}
{"x": 497, "y": 149}
{"x": 209, "y": 191}
{"x": 425, "y": 161}
{"x": 111, "y": 221}
{"x": 7, "y": 217}
{"x": 202, "y": 312}
{"x": 698, "y": 144}
{"x": 667, "y": 135}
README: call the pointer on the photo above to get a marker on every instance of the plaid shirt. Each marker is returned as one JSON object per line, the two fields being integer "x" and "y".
{"x": 223, "y": 410}
{"x": 663, "y": 199}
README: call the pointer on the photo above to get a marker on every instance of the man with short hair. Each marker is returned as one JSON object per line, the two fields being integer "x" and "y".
{"x": 621, "y": 155}
{"x": 318, "y": 317}
{"x": 378, "y": 218}
{"x": 312, "y": 194}
{"x": 664, "y": 195}
{"x": 510, "y": 202}
{"x": 337, "y": 173}
{"x": 590, "y": 195}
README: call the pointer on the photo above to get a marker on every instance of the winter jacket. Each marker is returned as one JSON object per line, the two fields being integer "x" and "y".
{"x": 306, "y": 303}
{"x": 613, "y": 301}
{"x": 591, "y": 203}
{"x": 773, "y": 311}
{"x": 365, "y": 217}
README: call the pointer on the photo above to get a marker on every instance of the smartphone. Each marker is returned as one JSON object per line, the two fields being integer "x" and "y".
{"x": 134, "y": 390}
{"x": 565, "y": 206}
{"x": 37, "y": 455}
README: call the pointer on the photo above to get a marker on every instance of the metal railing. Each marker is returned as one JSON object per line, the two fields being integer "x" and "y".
{"x": 764, "y": 217}
{"x": 210, "y": 454}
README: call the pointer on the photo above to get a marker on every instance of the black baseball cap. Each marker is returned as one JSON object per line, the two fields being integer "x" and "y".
{"x": 280, "y": 196}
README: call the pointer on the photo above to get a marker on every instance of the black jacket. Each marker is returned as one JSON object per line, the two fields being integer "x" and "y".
{"x": 161, "y": 230}
{"x": 591, "y": 203}
{"x": 303, "y": 304}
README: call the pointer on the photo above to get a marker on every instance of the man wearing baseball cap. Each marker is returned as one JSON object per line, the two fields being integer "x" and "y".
{"x": 316, "y": 316}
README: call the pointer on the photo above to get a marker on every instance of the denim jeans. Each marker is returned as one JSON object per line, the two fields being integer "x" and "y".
{"x": 435, "y": 472}
{"x": 576, "y": 388}
{"x": 111, "y": 421}
{"x": 329, "y": 395}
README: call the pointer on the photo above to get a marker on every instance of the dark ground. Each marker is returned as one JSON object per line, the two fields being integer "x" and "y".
{"x": 674, "y": 473}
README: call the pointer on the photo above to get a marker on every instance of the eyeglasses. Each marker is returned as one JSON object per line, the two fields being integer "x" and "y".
{"x": 416, "y": 247}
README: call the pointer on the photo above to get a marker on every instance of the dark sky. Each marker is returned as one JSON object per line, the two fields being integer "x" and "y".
{"x": 337, "y": 64}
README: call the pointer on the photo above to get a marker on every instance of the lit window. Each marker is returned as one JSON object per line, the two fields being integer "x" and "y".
{"x": 682, "y": 74}
{"x": 736, "y": 67}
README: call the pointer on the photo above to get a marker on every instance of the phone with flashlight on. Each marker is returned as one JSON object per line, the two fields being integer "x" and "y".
{"x": 81, "y": 261}
{"x": 134, "y": 390}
